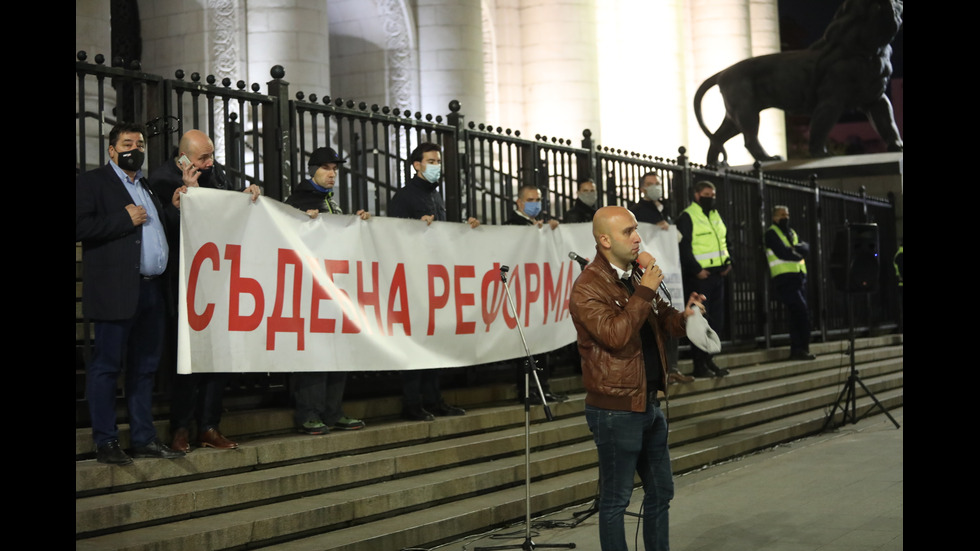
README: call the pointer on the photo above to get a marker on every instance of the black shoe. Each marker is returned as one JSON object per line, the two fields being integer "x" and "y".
{"x": 112, "y": 454}
{"x": 416, "y": 413}
{"x": 442, "y": 409}
{"x": 801, "y": 355}
{"x": 702, "y": 372}
{"x": 158, "y": 450}
{"x": 718, "y": 371}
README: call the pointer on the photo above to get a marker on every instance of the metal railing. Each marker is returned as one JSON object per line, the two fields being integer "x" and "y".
{"x": 266, "y": 138}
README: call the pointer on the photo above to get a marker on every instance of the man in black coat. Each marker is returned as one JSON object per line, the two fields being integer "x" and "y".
{"x": 124, "y": 253}
{"x": 584, "y": 207}
{"x": 527, "y": 212}
{"x": 196, "y": 396}
{"x": 318, "y": 395}
{"x": 420, "y": 199}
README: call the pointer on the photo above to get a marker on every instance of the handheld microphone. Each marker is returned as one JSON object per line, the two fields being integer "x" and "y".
{"x": 582, "y": 261}
{"x": 644, "y": 259}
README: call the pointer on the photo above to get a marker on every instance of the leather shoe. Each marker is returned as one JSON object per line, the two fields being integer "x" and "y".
{"x": 442, "y": 409}
{"x": 181, "y": 442}
{"x": 112, "y": 454}
{"x": 156, "y": 449}
{"x": 718, "y": 371}
{"x": 801, "y": 355}
{"x": 214, "y": 439}
{"x": 416, "y": 413}
{"x": 675, "y": 377}
{"x": 703, "y": 372}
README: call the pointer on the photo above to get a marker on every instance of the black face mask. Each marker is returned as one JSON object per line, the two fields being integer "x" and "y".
{"x": 784, "y": 225}
{"x": 205, "y": 176}
{"x": 707, "y": 204}
{"x": 131, "y": 160}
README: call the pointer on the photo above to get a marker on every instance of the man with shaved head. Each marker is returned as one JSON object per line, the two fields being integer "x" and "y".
{"x": 197, "y": 396}
{"x": 622, "y": 325}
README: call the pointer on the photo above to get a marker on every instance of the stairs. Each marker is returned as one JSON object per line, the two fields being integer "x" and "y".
{"x": 399, "y": 484}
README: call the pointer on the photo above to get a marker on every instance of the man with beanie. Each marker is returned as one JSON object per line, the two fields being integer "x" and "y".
{"x": 319, "y": 395}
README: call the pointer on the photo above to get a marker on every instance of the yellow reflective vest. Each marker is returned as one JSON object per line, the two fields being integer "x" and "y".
{"x": 708, "y": 239}
{"x": 778, "y": 266}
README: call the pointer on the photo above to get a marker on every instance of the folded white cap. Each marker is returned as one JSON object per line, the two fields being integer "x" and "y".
{"x": 701, "y": 334}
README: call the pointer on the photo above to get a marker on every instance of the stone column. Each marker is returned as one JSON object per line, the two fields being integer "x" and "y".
{"x": 641, "y": 75}
{"x": 450, "y": 39}
{"x": 561, "y": 68}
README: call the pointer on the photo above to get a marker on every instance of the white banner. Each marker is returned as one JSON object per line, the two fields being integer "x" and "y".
{"x": 264, "y": 288}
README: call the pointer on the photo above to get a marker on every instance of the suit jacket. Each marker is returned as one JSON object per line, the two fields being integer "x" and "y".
{"x": 110, "y": 245}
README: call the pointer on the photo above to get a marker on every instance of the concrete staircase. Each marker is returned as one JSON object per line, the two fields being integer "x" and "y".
{"x": 398, "y": 484}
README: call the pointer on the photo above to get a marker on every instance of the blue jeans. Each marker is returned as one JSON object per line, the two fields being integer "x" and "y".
{"x": 630, "y": 443}
{"x": 132, "y": 345}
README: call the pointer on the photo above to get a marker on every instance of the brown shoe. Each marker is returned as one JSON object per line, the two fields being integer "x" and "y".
{"x": 675, "y": 377}
{"x": 214, "y": 439}
{"x": 180, "y": 441}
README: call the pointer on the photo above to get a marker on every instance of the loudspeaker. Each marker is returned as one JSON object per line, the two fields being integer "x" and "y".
{"x": 854, "y": 259}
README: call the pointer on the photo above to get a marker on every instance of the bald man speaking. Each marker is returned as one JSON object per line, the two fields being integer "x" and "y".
{"x": 621, "y": 324}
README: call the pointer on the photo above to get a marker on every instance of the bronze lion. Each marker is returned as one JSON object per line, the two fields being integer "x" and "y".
{"x": 847, "y": 69}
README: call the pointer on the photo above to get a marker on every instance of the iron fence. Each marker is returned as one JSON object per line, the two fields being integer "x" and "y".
{"x": 266, "y": 138}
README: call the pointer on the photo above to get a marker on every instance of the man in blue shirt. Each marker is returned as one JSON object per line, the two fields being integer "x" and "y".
{"x": 124, "y": 253}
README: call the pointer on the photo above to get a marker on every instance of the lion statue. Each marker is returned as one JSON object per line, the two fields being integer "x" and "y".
{"x": 848, "y": 68}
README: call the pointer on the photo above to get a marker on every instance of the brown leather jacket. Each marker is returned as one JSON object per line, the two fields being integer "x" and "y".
{"x": 608, "y": 321}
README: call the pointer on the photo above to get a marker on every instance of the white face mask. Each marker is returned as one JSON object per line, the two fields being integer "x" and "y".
{"x": 654, "y": 192}
{"x": 589, "y": 197}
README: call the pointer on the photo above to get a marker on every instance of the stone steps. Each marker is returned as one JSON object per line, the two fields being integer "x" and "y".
{"x": 397, "y": 484}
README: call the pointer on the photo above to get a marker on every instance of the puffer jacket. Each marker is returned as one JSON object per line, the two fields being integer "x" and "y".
{"x": 607, "y": 323}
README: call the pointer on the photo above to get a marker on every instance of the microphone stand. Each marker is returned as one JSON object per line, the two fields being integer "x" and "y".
{"x": 530, "y": 369}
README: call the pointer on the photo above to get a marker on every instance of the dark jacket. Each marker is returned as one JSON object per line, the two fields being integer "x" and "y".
{"x": 164, "y": 181}
{"x": 306, "y": 197}
{"x": 607, "y": 323}
{"x": 580, "y": 212}
{"x": 647, "y": 211}
{"x": 418, "y": 198}
{"x": 110, "y": 245}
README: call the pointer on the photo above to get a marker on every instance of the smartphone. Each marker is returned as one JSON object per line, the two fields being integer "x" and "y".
{"x": 183, "y": 162}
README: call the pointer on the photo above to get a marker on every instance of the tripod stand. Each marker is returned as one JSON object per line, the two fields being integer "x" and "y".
{"x": 530, "y": 370}
{"x": 856, "y": 262}
{"x": 848, "y": 394}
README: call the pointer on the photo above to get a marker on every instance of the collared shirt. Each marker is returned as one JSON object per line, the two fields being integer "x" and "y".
{"x": 623, "y": 274}
{"x": 153, "y": 250}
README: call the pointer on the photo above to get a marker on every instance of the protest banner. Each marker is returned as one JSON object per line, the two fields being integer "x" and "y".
{"x": 264, "y": 288}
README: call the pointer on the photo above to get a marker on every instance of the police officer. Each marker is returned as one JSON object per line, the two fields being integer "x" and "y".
{"x": 705, "y": 263}
{"x": 787, "y": 266}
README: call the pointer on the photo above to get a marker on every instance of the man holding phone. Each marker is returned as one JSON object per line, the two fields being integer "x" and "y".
{"x": 197, "y": 396}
